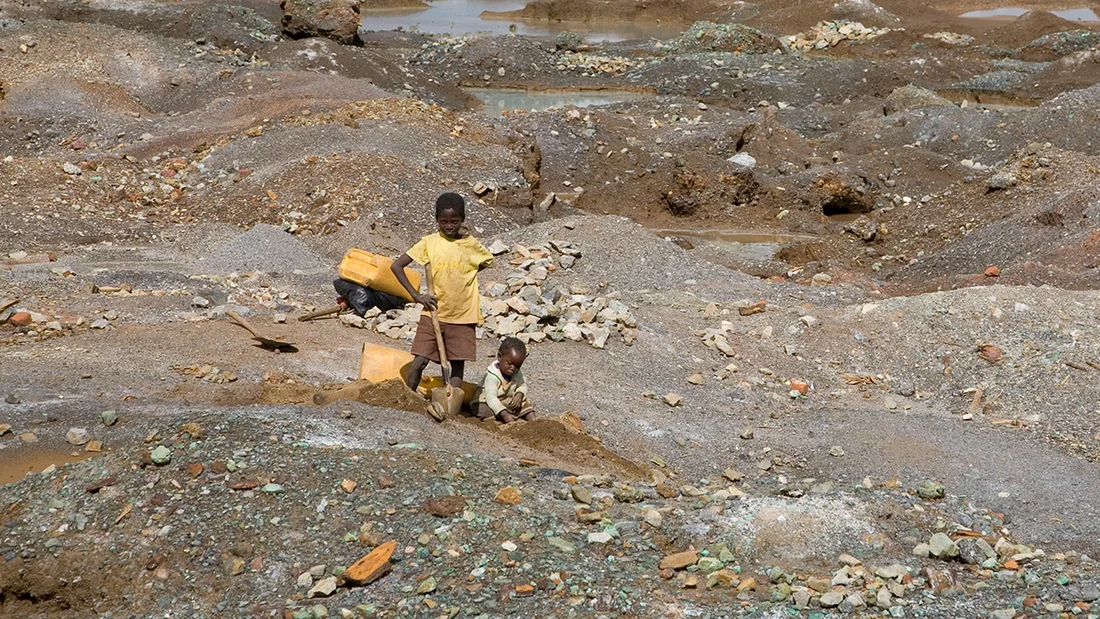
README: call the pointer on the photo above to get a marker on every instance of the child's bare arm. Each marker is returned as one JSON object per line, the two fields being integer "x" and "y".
{"x": 398, "y": 268}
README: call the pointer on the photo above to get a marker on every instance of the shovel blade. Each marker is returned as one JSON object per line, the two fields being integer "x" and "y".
{"x": 439, "y": 405}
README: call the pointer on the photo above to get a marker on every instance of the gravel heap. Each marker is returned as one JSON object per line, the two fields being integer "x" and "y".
{"x": 263, "y": 248}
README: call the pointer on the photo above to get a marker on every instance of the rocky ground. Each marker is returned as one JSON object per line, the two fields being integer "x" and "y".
{"x": 885, "y": 410}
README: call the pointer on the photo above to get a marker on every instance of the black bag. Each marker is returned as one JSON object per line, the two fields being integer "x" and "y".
{"x": 361, "y": 298}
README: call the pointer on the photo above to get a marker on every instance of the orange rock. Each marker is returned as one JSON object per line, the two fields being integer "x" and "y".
{"x": 753, "y": 309}
{"x": 667, "y": 491}
{"x": 244, "y": 484}
{"x": 348, "y": 485}
{"x": 1011, "y": 564}
{"x": 800, "y": 386}
{"x": 524, "y": 591}
{"x": 195, "y": 469}
{"x": 20, "y": 319}
{"x": 572, "y": 420}
{"x": 371, "y": 567}
{"x": 509, "y": 495}
{"x": 992, "y": 272}
{"x": 678, "y": 560}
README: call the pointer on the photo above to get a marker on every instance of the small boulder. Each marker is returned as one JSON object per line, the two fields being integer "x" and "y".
{"x": 943, "y": 547}
{"x": 334, "y": 19}
{"x": 78, "y": 436}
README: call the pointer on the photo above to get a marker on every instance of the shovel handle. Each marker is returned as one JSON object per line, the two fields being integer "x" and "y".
{"x": 244, "y": 323}
{"x": 321, "y": 313}
{"x": 443, "y": 361}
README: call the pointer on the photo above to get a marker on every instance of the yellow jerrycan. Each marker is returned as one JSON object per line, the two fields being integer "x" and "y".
{"x": 373, "y": 271}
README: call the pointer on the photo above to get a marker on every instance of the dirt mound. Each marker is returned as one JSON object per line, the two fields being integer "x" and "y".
{"x": 263, "y": 248}
{"x": 386, "y": 394}
{"x": 1028, "y": 27}
{"x": 554, "y": 438}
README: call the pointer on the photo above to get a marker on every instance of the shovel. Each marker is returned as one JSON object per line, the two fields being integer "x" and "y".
{"x": 265, "y": 343}
{"x": 444, "y": 400}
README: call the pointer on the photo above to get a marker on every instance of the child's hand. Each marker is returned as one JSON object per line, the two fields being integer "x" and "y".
{"x": 427, "y": 300}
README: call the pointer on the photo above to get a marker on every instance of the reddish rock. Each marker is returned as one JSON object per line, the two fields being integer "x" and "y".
{"x": 667, "y": 491}
{"x": 385, "y": 481}
{"x": 990, "y": 353}
{"x": 800, "y": 386}
{"x": 244, "y": 484}
{"x": 78, "y": 145}
{"x": 524, "y": 591}
{"x": 992, "y": 272}
{"x": 444, "y": 506}
{"x": 195, "y": 469}
{"x": 20, "y": 319}
{"x": 218, "y": 468}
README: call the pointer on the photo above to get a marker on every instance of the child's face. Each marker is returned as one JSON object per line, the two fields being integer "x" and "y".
{"x": 510, "y": 362}
{"x": 449, "y": 222}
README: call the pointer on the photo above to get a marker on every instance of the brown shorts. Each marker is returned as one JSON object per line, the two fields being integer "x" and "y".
{"x": 460, "y": 340}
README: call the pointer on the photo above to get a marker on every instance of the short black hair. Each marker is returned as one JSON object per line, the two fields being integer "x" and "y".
{"x": 512, "y": 344}
{"x": 450, "y": 201}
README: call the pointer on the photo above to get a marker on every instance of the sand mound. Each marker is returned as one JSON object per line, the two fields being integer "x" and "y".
{"x": 263, "y": 248}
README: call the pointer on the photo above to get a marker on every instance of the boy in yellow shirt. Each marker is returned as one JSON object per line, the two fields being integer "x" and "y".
{"x": 455, "y": 258}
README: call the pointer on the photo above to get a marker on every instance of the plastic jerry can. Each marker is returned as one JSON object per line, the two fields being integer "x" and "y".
{"x": 373, "y": 271}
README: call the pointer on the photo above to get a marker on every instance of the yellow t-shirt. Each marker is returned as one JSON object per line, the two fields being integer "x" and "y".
{"x": 455, "y": 263}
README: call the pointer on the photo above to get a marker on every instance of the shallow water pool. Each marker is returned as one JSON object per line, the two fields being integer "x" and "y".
{"x": 1083, "y": 14}
{"x": 459, "y": 17}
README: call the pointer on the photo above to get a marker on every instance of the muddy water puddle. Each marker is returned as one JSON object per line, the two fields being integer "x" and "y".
{"x": 497, "y": 100}
{"x": 460, "y": 17}
{"x": 1007, "y": 13}
{"x": 15, "y": 463}
{"x": 745, "y": 245}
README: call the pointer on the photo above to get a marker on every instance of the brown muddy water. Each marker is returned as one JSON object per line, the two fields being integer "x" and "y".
{"x": 16, "y": 462}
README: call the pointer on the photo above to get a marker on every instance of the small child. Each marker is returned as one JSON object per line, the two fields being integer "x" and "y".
{"x": 503, "y": 393}
{"x": 455, "y": 258}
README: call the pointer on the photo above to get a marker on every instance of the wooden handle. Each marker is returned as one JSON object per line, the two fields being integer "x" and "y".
{"x": 321, "y": 313}
{"x": 242, "y": 322}
{"x": 443, "y": 361}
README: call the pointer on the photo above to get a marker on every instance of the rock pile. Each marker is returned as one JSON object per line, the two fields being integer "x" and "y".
{"x": 594, "y": 64}
{"x": 951, "y": 38}
{"x": 527, "y": 306}
{"x": 733, "y": 38}
{"x": 830, "y": 33}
